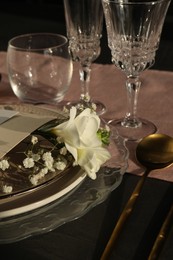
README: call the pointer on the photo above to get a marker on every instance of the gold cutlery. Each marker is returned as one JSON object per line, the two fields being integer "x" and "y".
{"x": 162, "y": 235}
{"x": 154, "y": 152}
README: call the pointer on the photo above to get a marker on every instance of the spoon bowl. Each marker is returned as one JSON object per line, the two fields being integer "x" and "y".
{"x": 155, "y": 151}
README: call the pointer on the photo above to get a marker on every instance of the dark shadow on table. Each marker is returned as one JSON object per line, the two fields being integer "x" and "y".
{"x": 25, "y": 16}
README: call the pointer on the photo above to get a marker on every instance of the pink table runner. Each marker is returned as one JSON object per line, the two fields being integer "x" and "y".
{"x": 108, "y": 86}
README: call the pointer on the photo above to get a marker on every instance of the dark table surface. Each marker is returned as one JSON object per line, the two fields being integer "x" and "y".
{"x": 26, "y": 16}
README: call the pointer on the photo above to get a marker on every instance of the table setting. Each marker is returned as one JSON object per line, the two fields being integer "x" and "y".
{"x": 107, "y": 192}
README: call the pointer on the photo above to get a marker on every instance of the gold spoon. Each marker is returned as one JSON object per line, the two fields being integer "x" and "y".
{"x": 153, "y": 152}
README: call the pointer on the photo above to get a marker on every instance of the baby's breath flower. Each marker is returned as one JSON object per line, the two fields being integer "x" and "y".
{"x": 7, "y": 188}
{"x": 36, "y": 157}
{"x": 63, "y": 150}
{"x": 49, "y": 165}
{"x": 47, "y": 157}
{"x": 48, "y": 161}
{"x": 60, "y": 165}
{"x": 34, "y": 139}
{"x": 35, "y": 178}
{"x": 28, "y": 162}
{"x": 4, "y": 164}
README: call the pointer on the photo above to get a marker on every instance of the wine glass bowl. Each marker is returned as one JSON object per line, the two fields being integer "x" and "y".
{"x": 84, "y": 21}
{"x": 134, "y": 30}
{"x": 39, "y": 67}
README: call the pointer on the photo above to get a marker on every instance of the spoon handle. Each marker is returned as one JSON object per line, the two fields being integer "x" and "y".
{"x": 162, "y": 235}
{"x": 123, "y": 217}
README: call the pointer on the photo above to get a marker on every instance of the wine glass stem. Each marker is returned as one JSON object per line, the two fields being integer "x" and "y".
{"x": 132, "y": 86}
{"x": 84, "y": 73}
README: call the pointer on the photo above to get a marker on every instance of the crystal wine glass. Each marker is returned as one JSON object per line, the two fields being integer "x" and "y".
{"x": 84, "y": 20}
{"x": 134, "y": 29}
{"x": 40, "y": 67}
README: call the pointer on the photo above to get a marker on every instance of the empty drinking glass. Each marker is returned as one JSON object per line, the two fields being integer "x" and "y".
{"x": 39, "y": 67}
{"x": 84, "y": 20}
{"x": 134, "y": 29}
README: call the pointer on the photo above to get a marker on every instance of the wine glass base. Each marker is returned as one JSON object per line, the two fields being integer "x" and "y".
{"x": 134, "y": 133}
{"x": 81, "y": 105}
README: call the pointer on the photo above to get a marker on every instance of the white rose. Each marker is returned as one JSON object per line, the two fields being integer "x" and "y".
{"x": 79, "y": 134}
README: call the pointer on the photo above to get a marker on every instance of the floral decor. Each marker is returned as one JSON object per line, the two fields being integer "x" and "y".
{"x": 80, "y": 140}
{"x": 80, "y": 134}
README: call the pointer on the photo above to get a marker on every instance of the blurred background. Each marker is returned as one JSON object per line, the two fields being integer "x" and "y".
{"x": 26, "y": 16}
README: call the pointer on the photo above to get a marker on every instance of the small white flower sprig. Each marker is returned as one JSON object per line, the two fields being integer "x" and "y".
{"x": 43, "y": 161}
{"x": 39, "y": 159}
{"x": 80, "y": 140}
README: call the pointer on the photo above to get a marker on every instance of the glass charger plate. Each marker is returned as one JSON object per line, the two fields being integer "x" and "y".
{"x": 73, "y": 205}
{"x": 83, "y": 195}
